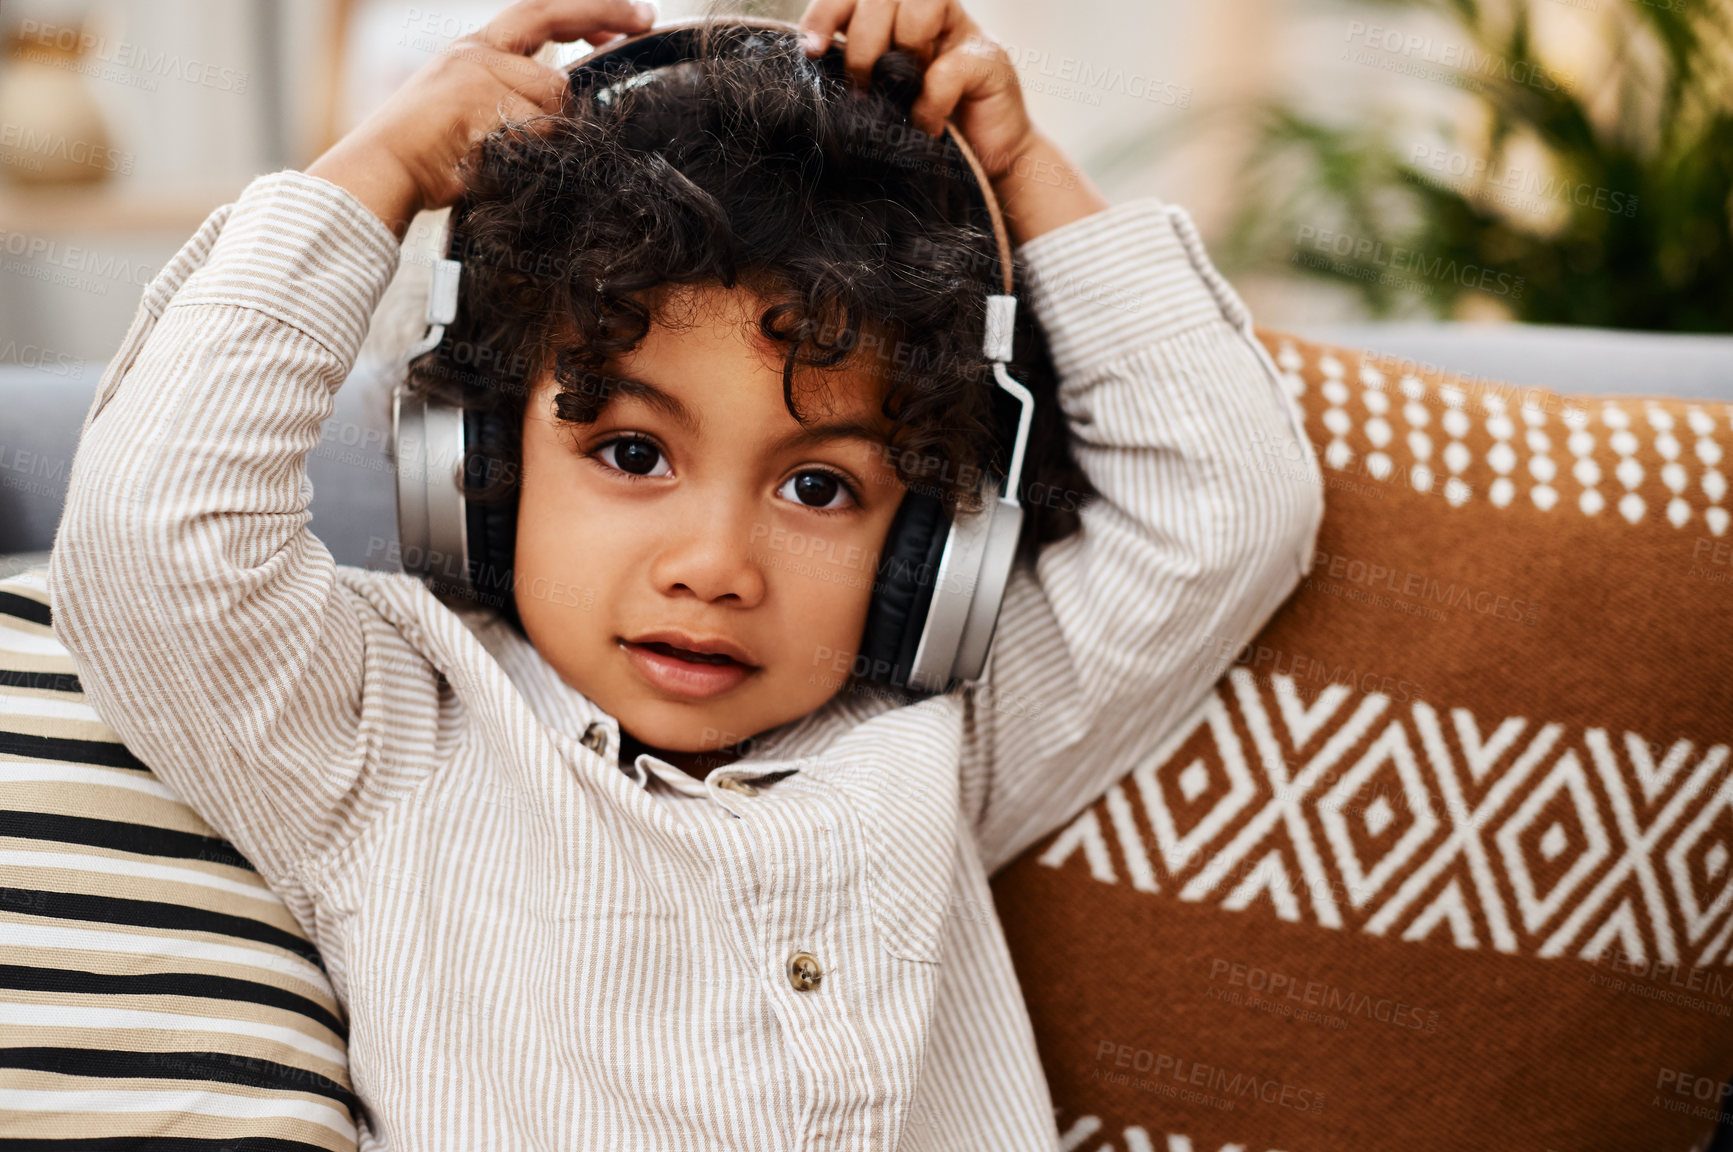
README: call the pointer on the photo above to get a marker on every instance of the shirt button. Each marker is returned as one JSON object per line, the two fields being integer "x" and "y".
{"x": 735, "y": 784}
{"x": 803, "y": 971}
{"x": 595, "y": 737}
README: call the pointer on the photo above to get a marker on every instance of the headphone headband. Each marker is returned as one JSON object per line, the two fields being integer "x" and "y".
{"x": 673, "y": 43}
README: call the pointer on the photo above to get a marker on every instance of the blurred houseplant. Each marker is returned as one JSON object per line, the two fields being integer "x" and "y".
{"x": 1604, "y": 200}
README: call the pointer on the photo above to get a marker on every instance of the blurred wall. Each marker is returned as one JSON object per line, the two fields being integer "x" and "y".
{"x": 195, "y": 98}
{"x": 201, "y": 95}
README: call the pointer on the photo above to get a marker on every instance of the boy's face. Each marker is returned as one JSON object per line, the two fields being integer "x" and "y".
{"x": 723, "y": 525}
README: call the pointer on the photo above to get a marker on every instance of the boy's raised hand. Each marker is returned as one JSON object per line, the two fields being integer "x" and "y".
{"x": 969, "y": 79}
{"x": 404, "y": 157}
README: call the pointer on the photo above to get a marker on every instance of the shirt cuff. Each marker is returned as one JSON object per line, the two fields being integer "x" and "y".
{"x": 304, "y": 251}
{"x": 1129, "y": 275}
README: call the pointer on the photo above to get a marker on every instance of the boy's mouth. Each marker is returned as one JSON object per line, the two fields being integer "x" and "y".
{"x": 695, "y": 649}
{"x": 682, "y": 671}
{"x": 684, "y": 654}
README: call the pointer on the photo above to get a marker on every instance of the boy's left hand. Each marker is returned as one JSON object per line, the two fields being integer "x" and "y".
{"x": 969, "y": 77}
{"x": 969, "y": 80}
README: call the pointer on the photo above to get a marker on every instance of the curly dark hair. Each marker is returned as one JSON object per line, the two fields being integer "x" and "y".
{"x": 753, "y": 166}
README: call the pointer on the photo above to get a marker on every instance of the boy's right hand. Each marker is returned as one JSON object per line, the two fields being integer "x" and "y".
{"x": 404, "y": 157}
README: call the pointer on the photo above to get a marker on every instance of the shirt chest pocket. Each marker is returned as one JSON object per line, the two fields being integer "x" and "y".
{"x": 910, "y": 872}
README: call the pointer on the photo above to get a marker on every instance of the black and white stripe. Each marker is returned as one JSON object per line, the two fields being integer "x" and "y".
{"x": 154, "y": 992}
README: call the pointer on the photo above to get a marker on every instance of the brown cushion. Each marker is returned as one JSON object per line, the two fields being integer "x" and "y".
{"x": 1445, "y": 860}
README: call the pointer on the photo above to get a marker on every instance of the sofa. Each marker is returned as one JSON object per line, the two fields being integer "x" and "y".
{"x": 1444, "y": 860}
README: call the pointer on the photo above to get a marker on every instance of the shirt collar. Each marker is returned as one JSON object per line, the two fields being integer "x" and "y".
{"x": 647, "y": 765}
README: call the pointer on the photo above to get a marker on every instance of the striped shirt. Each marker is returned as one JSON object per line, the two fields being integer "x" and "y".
{"x": 537, "y": 946}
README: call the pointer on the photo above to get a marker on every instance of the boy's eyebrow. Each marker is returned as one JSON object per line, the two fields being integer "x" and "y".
{"x": 675, "y": 409}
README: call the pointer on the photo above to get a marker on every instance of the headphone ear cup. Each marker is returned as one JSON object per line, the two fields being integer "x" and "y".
{"x": 492, "y": 528}
{"x": 904, "y": 589}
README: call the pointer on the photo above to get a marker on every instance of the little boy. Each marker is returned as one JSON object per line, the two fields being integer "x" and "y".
{"x": 555, "y": 916}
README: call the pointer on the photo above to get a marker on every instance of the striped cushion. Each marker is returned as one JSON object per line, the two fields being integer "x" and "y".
{"x": 154, "y": 993}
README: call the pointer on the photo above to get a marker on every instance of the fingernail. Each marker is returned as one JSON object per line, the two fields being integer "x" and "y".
{"x": 811, "y": 41}
{"x": 645, "y": 9}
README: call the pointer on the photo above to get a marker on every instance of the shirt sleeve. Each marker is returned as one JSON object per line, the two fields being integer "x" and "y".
{"x": 207, "y": 622}
{"x": 1210, "y": 500}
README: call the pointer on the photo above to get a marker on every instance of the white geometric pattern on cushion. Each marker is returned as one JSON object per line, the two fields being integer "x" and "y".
{"x": 1437, "y": 832}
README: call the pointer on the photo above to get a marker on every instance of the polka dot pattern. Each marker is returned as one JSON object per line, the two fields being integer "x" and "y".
{"x": 1289, "y": 360}
{"x": 1456, "y": 455}
{"x": 1541, "y": 465}
{"x": 1638, "y": 458}
{"x": 1502, "y": 457}
{"x": 1709, "y": 454}
{"x": 1629, "y": 472}
{"x": 1336, "y": 419}
{"x": 1419, "y": 443}
{"x": 1378, "y": 431}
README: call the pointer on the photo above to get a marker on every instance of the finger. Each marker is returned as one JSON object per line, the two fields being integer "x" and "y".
{"x": 513, "y": 107}
{"x": 507, "y": 107}
{"x": 920, "y": 23}
{"x": 525, "y": 26}
{"x": 869, "y": 37}
{"x": 974, "y": 69}
{"x": 531, "y": 79}
{"x": 821, "y": 21}
{"x": 959, "y": 33}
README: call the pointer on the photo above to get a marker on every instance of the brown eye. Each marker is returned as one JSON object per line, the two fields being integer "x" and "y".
{"x": 633, "y": 455}
{"x": 818, "y": 490}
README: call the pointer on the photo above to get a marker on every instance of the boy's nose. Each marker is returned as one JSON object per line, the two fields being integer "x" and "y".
{"x": 713, "y": 557}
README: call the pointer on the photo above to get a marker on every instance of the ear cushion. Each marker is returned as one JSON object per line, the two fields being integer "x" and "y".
{"x": 492, "y": 528}
{"x": 908, "y": 570}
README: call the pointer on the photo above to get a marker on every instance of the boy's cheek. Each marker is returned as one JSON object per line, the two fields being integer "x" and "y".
{"x": 842, "y": 663}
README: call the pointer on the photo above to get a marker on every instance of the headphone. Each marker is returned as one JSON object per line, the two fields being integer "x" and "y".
{"x": 941, "y": 577}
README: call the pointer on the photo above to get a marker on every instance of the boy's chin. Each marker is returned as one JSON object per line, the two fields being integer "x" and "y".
{"x": 697, "y": 762}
